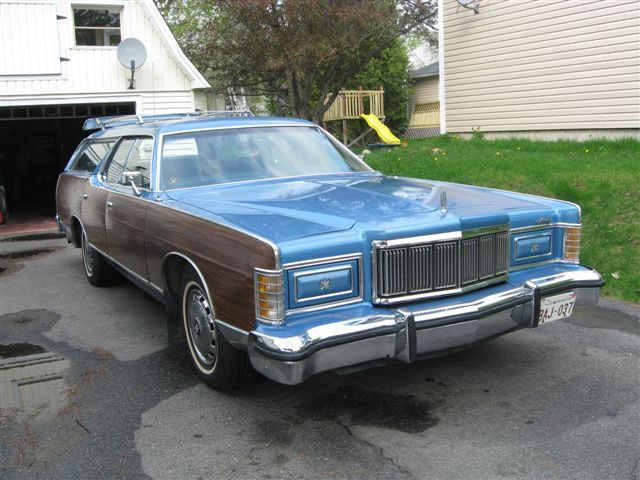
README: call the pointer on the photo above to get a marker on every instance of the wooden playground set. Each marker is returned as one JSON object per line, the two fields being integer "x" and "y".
{"x": 352, "y": 105}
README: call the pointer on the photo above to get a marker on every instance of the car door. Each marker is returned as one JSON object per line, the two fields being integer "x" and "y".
{"x": 77, "y": 184}
{"x": 126, "y": 209}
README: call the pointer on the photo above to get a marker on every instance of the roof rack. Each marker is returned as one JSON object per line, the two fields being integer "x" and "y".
{"x": 224, "y": 113}
{"x": 123, "y": 120}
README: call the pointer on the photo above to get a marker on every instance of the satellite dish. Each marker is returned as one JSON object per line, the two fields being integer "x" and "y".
{"x": 131, "y": 54}
{"x": 470, "y": 5}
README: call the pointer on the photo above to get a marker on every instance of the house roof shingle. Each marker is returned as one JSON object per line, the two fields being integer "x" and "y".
{"x": 430, "y": 70}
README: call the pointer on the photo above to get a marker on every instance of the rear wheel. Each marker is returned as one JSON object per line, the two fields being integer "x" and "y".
{"x": 98, "y": 271}
{"x": 217, "y": 363}
{"x": 4, "y": 211}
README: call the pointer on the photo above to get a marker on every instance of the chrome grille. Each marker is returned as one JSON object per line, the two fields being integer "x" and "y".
{"x": 470, "y": 260}
{"x": 502, "y": 253}
{"x": 487, "y": 257}
{"x": 433, "y": 268}
{"x": 393, "y": 271}
{"x": 420, "y": 263}
{"x": 446, "y": 265}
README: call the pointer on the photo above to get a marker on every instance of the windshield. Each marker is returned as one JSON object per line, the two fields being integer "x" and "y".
{"x": 230, "y": 155}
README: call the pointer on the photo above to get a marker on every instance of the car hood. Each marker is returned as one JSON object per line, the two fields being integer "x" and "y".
{"x": 286, "y": 209}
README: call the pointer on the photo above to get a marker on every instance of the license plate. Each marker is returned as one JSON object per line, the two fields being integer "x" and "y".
{"x": 556, "y": 307}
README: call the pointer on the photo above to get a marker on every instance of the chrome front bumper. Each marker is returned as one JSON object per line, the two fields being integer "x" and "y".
{"x": 406, "y": 334}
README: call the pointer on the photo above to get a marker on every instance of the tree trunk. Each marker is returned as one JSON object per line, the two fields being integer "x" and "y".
{"x": 298, "y": 97}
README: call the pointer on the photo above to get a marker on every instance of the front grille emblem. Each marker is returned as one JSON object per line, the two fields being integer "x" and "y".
{"x": 325, "y": 284}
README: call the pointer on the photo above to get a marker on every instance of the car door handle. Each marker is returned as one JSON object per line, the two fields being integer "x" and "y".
{"x": 109, "y": 204}
{"x": 85, "y": 196}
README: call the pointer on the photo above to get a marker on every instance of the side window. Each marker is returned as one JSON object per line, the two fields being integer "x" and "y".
{"x": 140, "y": 161}
{"x": 90, "y": 156}
{"x": 97, "y": 26}
{"x": 131, "y": 155}
{"x": 118, "y": 161}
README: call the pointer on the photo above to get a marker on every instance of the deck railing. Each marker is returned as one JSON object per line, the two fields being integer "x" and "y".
{"x": 425, "y": 115}
{"x": 350, "y": 104}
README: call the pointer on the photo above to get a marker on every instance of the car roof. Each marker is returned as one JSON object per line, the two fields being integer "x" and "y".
{"x": 187, "y": 124}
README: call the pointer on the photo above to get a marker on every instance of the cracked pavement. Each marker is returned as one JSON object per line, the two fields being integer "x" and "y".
{"x": 560, "y": 401}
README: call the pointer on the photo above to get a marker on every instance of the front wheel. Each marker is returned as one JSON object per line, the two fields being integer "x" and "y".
{"x": 217, "y": 363}
{"x": 98, "y": 271}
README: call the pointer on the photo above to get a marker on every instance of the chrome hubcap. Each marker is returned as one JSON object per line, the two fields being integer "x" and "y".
{"x": 202, "y": 330}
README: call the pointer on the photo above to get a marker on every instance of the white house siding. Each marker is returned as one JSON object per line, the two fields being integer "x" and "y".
{"x": 166, "y": 102}
{"x": 543, "y": 65}
{"x": 95, "y": 70}
{"x": 49, "y": 87}
{"x": 29, "y": 55}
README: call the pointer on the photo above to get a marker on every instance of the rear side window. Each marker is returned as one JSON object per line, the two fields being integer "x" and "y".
{"x": 90, "y": 156}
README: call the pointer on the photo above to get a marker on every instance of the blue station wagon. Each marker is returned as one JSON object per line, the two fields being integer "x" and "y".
{"x": 275, "y": 249}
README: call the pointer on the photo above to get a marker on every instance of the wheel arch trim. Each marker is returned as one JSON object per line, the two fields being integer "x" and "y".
{"x": 77, "y": 242}
{"x": 234, "y": 335}
{"x": 193, "y": 265}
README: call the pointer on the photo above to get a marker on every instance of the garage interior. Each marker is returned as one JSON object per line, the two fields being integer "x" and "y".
{"x": 36, "y": 144}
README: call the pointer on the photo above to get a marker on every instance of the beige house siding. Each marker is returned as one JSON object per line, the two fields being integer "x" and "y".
{"x": 425, "y": 90}
{"x": 542, "y": 65}
{"x": 424, "y": 107}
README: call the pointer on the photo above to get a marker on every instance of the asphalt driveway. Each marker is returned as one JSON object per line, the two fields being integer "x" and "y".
{"x": 90, "y": 390}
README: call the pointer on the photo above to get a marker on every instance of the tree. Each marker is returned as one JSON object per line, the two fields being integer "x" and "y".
{"x": 390, "y": 70}
{"x": 300, "y": 50}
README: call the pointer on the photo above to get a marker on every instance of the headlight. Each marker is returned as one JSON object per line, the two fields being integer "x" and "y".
{"x": 269, "y": 289}
{"x": 529, "y": 247}
{"x": 571, "y": 249}
{"x": 324, "y": 283}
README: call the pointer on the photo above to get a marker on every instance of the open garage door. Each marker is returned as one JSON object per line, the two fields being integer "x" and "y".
{"x": 35, "y": 145}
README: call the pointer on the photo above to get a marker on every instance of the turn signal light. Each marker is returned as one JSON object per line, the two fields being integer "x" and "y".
{"x": 269, "y": 292}
{"x": 571, "y": 251}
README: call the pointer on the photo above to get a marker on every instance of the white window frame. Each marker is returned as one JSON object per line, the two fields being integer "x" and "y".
{"x": 95, "y": 5}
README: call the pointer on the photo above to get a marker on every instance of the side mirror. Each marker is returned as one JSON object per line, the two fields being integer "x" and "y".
{"x": 130, "y": 177}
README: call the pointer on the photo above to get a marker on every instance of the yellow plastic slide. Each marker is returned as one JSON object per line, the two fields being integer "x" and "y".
{"x": 381, "y": 129}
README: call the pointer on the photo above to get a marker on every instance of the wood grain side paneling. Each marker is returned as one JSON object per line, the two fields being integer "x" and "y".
{"x": 124, "y": 224}
{"x": 92, "y": 215}
{"x": 225, "y": 257}
{"x": 68, "y": 195}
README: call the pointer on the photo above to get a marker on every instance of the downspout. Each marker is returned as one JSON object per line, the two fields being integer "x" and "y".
{"x": 441, "y": 79}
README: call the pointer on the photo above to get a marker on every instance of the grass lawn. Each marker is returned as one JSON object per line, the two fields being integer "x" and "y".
{"x": 602, "y": 176}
